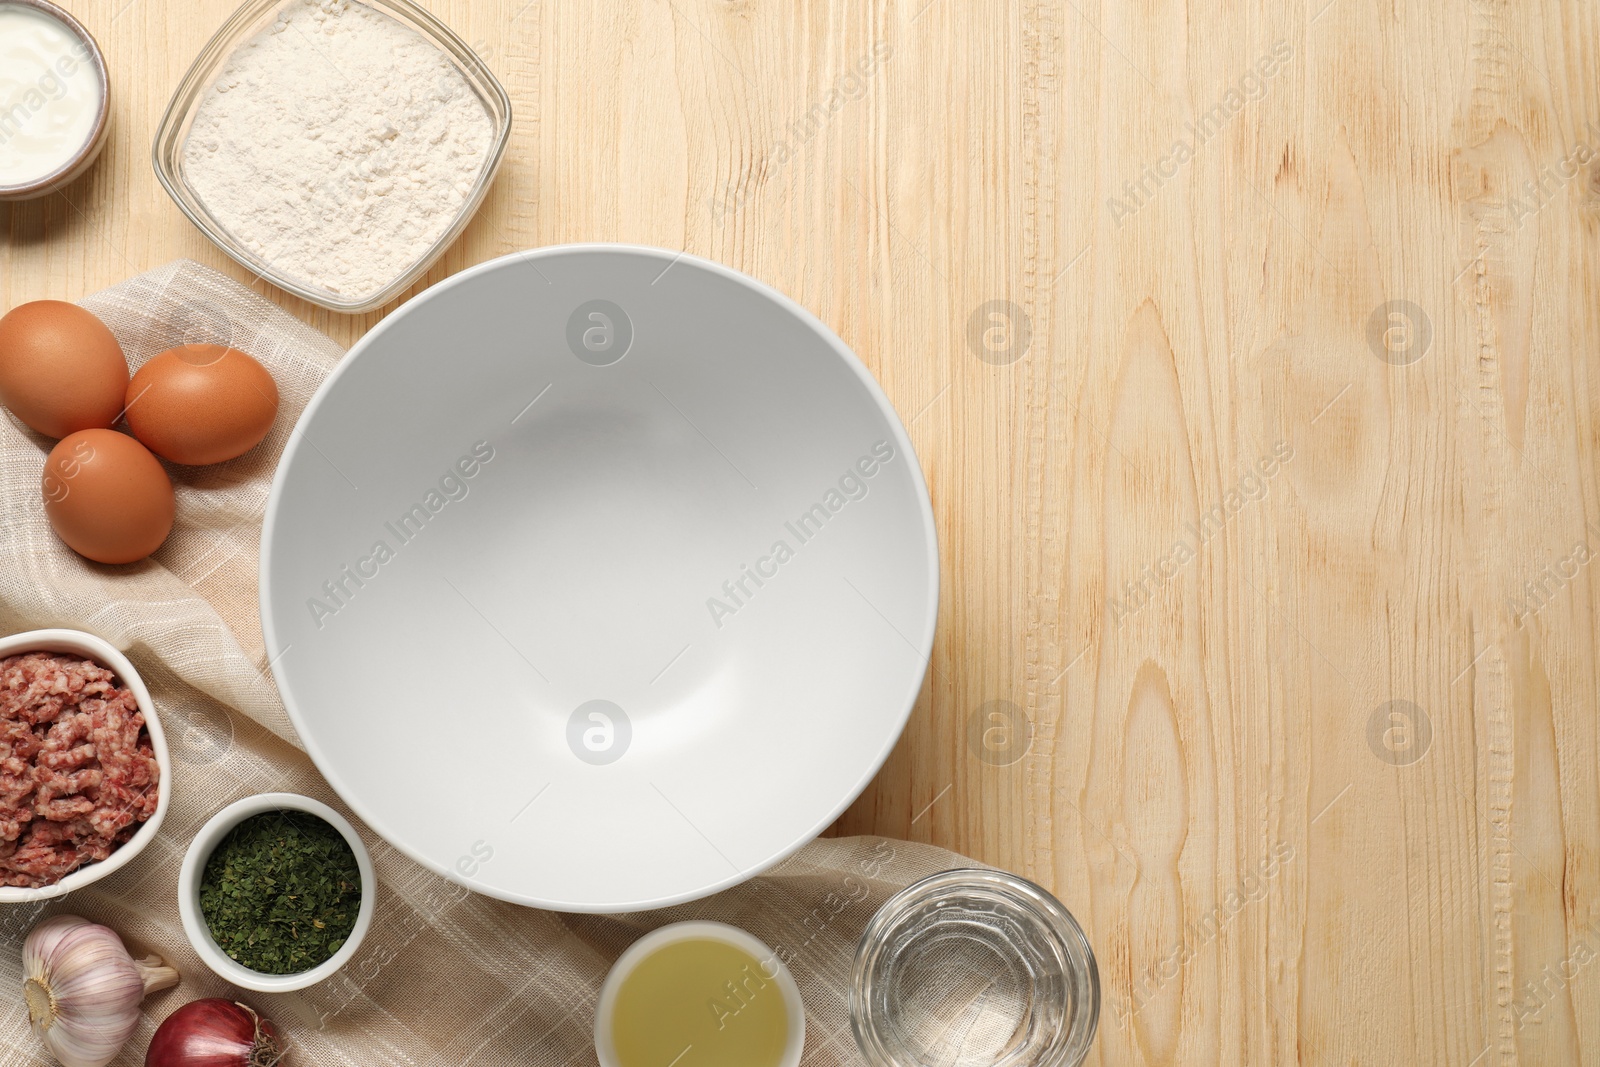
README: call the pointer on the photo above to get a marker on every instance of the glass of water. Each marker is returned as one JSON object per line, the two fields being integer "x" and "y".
{"x": 974, "y": 968}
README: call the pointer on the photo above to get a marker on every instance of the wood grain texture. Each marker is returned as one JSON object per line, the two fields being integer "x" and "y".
{"x": 1268, "y": 631}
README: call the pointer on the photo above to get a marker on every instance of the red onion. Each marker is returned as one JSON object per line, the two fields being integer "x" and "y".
{"x": 214, "y": 1033}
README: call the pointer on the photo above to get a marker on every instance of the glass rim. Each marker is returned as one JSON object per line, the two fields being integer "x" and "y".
{"x": 1082, "y": 973}
{"x": 172, "y": 132}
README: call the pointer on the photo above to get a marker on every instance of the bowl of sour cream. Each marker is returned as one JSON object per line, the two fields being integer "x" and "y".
{"x": 54, "y": 99}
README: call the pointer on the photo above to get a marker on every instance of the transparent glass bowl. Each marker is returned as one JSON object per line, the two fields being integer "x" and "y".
{"x": 251, "y": 18}
{"x": 974, "y": 968}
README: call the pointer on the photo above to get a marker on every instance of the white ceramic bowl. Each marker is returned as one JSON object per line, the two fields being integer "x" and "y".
{"x": 91, "y": 60}
{"x": 193, "y": 869}
{"x": 605, "y": 1007}
{"x": 78, "y": 643}
{"x": 522, "y": 591}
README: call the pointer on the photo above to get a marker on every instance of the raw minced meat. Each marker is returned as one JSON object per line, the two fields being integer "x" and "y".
{"x": 77, "y": 773}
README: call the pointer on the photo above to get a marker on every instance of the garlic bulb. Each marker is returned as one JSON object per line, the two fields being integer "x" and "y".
{"x": 83, "y": 989}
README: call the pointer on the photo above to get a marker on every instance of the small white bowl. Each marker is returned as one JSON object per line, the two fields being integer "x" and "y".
{"x": 605, "y": 1047}
{"x": 78, "y": 643}
{"x": 72, "y": 168}
{"x": 194, "y": 863}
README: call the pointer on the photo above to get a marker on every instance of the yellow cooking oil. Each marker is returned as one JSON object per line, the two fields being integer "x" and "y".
{"x": 700, "y": 1002}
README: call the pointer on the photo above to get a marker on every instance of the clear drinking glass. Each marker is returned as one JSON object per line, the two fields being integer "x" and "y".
{"x": 974, "y": 968}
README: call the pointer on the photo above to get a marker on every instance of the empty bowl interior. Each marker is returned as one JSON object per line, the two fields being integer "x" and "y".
{"x": 599, "y": 578}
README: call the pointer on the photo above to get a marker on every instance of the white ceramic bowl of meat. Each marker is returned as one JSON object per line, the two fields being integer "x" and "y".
{"x": 599, "y": 578}
{"x": 87, "y": 645}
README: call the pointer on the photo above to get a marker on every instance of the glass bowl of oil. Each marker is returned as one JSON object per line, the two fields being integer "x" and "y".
{"x": 974, "y": 968}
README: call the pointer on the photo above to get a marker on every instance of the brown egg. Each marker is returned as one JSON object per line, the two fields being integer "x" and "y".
{"x": 201, "y": 404}
{"x": 107, "y": 497}
{"x": 60, "y": 369}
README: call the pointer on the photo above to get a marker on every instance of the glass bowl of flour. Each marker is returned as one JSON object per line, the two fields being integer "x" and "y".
{"x": 334, "y": 147}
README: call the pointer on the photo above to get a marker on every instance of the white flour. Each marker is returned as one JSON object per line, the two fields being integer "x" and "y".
{"x": 337, "y": 145}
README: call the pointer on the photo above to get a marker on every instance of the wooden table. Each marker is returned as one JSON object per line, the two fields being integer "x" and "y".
{"x": 1253, "y": 358}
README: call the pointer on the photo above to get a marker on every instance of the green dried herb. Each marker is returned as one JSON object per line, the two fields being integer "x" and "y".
{"x": 281, "y": 892}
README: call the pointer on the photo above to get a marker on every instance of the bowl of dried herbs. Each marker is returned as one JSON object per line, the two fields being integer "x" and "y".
{"x": 276, "y": 892}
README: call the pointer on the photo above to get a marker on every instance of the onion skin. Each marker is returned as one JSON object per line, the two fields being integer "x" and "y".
{"x": 214, "y": 1033}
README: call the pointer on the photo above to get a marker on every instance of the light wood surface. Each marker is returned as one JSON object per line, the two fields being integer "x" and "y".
{"x": 1267, "y": 876}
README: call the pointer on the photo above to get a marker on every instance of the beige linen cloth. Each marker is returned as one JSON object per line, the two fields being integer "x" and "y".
{"x": 445, "y": 976}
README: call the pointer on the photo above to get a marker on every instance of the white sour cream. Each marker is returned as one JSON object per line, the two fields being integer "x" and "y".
{"x": 50, "y": 94}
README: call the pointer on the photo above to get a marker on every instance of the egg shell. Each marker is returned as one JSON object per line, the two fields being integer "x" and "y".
{"x": 61, "y": 370}
{"x": 201, "y": 404}
{"x": 107, "y": 497}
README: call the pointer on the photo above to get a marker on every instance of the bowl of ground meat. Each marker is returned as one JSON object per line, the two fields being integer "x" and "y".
{"x": 84, "y": 773}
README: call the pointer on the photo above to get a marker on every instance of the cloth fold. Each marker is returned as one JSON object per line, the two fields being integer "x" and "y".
{"x": 445, "y": 976}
